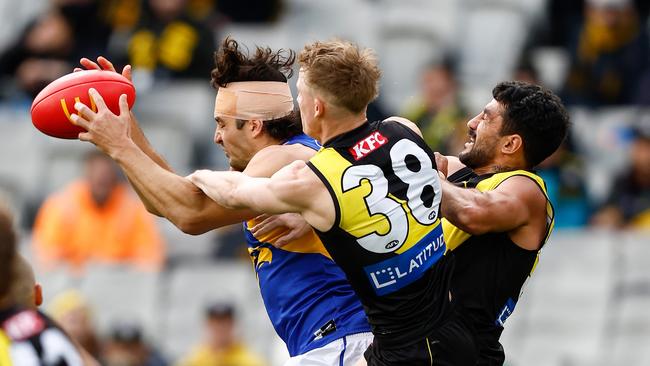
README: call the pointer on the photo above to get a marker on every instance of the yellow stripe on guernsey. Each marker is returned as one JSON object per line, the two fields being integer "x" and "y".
{"x": 455, "y": 236}
{"x": 355, "y": 218}
{"x": 5, "y": 344}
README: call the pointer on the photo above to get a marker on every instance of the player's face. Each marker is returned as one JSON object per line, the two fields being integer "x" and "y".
{"x": 234, "y": 141}
{"x": 306, "y": 102}
{"x": 484, "y": 135}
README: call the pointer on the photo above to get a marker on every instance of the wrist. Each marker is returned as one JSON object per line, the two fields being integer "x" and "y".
{"x": 123, "y": 151}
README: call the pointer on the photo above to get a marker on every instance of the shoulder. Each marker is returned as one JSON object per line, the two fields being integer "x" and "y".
{"x": 273, "y": 158}
{"x": 524, "y": 187}
{"x": 405, "y": 122}
{"x": 453, "y": 165}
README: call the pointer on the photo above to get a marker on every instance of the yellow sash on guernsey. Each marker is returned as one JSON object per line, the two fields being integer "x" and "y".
{"x": 455, "y": 236}
{"x": 5, "y": 360}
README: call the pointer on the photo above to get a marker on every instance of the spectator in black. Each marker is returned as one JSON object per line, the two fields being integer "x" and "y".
{"x": 52, "y": 43}
{"x": 608, "y": 54}
{"x": 169, "y": 44}
{"x": 127, "y": 347}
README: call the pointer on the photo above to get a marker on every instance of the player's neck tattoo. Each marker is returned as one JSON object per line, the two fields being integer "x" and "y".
{"x": 500, "y": 168}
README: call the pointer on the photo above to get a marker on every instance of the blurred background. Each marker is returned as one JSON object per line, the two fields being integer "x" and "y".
{"x": 136, "y": 291}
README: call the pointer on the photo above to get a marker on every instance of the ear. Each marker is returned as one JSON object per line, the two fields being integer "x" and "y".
{"x": 319, "y": 107}
{"x": 512, "y": 144}
{"x": 256, "y": 127}
{"x": 38, "y": 295}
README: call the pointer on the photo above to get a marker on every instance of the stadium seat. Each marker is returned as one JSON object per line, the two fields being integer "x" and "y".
{"x": 563, "y": 310}
{"x": 194, "y": 284}
{"x": 182, "y": 246}
{"x": 121, "y": 293}
{"x": 602, "y": 135}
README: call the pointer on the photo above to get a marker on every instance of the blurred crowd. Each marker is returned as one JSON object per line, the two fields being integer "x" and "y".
{"x": 97, "y": 219}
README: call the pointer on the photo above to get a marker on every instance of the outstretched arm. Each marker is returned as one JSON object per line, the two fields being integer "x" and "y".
{"x": 294, "y": 188}
{"x": 165, "y": 193}
{"x": 238, "y": 190}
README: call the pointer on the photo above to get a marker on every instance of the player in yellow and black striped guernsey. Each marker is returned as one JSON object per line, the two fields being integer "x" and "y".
{"x": 373, "y": 194}
{"x": 497, "y": 215}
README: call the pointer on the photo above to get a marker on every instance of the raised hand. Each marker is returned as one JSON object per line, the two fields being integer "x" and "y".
{"x": 103, "y": 64}
{"x": 109, "y": 132}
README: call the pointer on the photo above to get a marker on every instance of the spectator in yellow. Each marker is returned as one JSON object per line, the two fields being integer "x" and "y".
{"x": 96, "y": 219}
{"x": 221, "y": 347}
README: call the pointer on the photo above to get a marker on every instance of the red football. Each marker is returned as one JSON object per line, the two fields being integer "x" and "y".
{"x": 53, "y": 106}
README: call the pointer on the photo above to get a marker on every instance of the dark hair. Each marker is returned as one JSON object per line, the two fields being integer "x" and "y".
{"x": 7, "y": 249}
{"x": 534, "y": 113}
{"x": 220, "y": 310}
{"x": 232, "y": 65}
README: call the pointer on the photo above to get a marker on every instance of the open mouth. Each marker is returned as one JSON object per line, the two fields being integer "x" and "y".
{"x": 470, "y": 142}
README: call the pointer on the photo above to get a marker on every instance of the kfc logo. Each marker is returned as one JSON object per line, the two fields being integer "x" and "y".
{"x": 367, "y": 145}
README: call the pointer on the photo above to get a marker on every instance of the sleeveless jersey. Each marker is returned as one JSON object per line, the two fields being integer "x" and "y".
{"x": 490, "y": 269}
{"x": 306, "y": 295}
{"x": 29, "y": 338}
{"x": 387, "y": 235}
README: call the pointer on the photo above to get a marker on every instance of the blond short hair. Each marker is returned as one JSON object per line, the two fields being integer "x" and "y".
{"x": 344, "y": 74}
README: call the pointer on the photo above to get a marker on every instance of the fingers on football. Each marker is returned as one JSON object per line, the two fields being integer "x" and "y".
{"x": 105, "y": 64}
{"x": 83, "y": 111}
{"x": 80, "y": 121}
{"x": 89, "y": 64}
{"x": 124, "y": 106}
{"x": 97, "y": 98}
{"x": 126, "y": 72}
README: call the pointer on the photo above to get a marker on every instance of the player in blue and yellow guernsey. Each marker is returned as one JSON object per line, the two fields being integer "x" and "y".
{"x": 307, "y": 296}
{"x": 372, "y": 194}
{"x": 497, "y": 212}
{"x": 308, "y": 299}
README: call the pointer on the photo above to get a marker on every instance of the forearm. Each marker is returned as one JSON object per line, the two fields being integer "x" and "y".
{"x": 163, "y": 192}
{"x": 142, "y": 142}
{"x": 222, "y": 187}
{"x": 462, "y": 207}
{"x": 138, "y": 137}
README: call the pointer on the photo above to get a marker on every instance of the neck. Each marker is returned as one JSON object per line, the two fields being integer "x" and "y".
{"x": 332, "y": 127}
{"x": 265, "y": 142}
{"x": 494, "y": 168}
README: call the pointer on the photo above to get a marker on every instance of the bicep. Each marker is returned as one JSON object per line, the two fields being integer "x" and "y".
{"x": 509, "y": 205}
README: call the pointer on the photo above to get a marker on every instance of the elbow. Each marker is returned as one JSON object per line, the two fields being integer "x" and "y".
{"x": 191, "y": 227}
{"x": 189, "y": 222}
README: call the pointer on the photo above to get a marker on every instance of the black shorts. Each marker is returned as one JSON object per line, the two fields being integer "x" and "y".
{"x": 452, "y": 344}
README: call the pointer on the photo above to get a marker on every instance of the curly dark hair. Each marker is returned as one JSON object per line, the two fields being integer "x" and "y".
{"x": 7, "y": 249}
{"x": 536, "y": 114}
{"x": 232, "y": 65}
